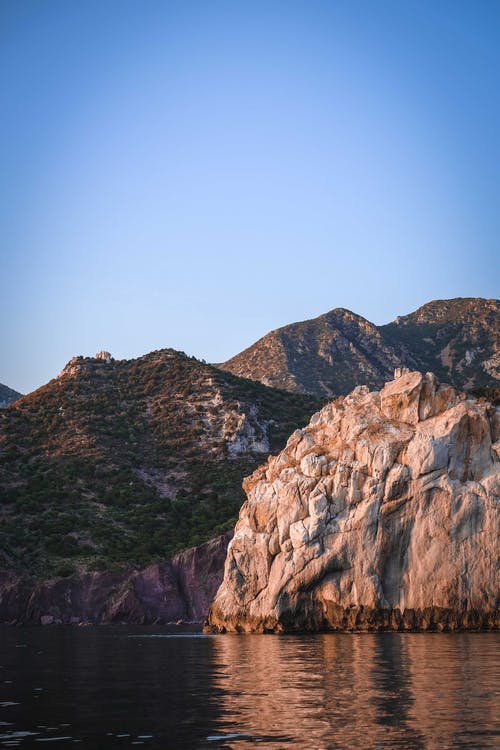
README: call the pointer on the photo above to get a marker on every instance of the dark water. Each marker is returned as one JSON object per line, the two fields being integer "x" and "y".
{"x": 117, "y": 687}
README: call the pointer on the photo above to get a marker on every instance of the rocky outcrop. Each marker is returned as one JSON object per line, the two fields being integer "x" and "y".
{"x": 177, "y": 589}
{"x": 105, "y": 356}
{"x": 381, "y": 515}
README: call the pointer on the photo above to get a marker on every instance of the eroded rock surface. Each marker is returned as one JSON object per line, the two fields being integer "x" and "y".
{"x": 381, "y": 514}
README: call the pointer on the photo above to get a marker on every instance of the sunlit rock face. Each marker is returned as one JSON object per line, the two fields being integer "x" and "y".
{"x": 382, "y": 514}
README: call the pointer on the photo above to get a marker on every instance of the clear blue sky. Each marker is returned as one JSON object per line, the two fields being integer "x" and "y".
{"x": 195, "y": 174}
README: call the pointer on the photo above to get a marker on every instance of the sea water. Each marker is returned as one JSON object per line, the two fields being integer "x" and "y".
{"x": 158, "y": 687}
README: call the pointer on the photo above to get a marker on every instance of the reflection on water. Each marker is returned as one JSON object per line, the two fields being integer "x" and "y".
{"x": 116, "y": 687}
{"x": 347, "y": 691}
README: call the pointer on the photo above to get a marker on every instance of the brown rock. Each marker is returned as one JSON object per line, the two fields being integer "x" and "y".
{"x": 399, "y": 400}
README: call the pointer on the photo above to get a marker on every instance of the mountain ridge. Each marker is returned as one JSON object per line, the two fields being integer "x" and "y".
{"x": 459, "y": 339}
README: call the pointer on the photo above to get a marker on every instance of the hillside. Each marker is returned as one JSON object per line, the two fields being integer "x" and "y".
{"x": 7, "y": 395}
{"x": 457, "y": 339}
{"x": 118, "y": 463}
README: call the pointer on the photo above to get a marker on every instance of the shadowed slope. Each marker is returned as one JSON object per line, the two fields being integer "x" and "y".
{"x": 8, "y": 395}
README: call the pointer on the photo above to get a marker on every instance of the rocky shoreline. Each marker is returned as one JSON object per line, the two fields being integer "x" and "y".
{"x": 381, "y": 515}
{"x": 179, "y": 589}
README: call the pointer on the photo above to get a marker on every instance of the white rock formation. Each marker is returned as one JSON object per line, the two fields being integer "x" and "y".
{"x": 382, "y": 514}
{"x": 105, "y": 356}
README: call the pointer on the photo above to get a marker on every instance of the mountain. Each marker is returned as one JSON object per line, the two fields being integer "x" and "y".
{"x": 457, "y": 339}
{"x": 382, "y": 514}
{"x": 7, "y": 395}
{"x": 122, "y": 463}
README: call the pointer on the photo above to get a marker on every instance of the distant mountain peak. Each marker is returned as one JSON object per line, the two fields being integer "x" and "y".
{"x": 8, "y": 395}
{"x": 331, "y": 354}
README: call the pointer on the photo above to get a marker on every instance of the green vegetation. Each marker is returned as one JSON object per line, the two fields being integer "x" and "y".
{"x": 123, "y": 463}
{"x": 452, "y": 338}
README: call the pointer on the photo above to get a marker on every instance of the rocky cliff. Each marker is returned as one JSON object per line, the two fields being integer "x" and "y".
{"x": 177, "y": 589}
{"x": 458, "y": 339}
{"x": 382, "y": 514}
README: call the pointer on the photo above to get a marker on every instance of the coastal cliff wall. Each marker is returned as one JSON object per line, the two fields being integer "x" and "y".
{"x": 177, "y": 589}
{"x": 382, "y": 514}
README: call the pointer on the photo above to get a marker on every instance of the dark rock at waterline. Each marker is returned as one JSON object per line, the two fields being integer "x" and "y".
{"x": 172, "y": 590}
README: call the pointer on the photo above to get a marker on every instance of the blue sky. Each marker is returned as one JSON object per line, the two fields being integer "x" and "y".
{"x": 195, "y": 174}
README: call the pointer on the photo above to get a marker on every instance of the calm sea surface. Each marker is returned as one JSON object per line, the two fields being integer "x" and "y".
{"x": 117, "y": 687}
